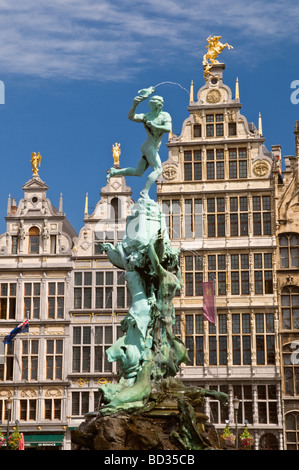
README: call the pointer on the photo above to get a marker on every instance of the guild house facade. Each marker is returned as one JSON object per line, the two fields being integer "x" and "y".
{"x": 232, "y": 211}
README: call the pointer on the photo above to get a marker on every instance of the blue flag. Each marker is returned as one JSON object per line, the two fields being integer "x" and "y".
{"x": 21, "y": 328}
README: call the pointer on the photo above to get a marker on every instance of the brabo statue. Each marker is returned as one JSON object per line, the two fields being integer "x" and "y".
{"x": 156, "y": 123}
{"x": 148, "y": 352}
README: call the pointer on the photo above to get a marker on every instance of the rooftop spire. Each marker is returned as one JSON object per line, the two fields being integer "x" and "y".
{"x": 170, "y": 133}
{"x": 260, "y": 125}
{"x": 86, "y": 205}
{"x": 9, "y": 205}
{"x": 60, "y": 203}
{"x": 237, "y": 94}
{"x": 191, "y": 93}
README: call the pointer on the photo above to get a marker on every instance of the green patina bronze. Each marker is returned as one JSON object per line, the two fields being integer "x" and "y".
{"x": 156, "y": 123}
{"x": 148, "y": 351}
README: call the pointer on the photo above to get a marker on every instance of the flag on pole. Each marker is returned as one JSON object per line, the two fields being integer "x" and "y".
{"x": 21, "y": 328}
{"x": 208, "y": 301}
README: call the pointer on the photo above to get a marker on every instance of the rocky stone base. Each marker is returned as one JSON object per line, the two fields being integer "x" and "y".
{"x": 172, "y": 420}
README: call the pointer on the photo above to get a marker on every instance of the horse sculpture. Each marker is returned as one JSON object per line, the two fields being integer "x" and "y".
{"x": 215, "y": 47}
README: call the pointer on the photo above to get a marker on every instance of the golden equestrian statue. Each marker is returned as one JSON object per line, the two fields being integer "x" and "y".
{"x": 214, "y": 49}
{"x": 35, "y": 161}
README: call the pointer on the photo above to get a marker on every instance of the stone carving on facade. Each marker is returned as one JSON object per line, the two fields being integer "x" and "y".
{"x": 169, "y": 172}
{"x": 21, "y": 233}
{"x": 196, "y": 117}
{"x": 213, "y": 96}
{"x": 261, "y": 168}
{"x": 6, "y": 393}
{"x": 28, "y": 393}
{"x": 289, "y": 280}
{"x": 53, "y": 392}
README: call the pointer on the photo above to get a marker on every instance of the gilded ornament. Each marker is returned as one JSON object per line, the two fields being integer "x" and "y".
{"x": 116, "y": 153}
{"x": 214, "y": 49}
{"x": 35, "y": 161}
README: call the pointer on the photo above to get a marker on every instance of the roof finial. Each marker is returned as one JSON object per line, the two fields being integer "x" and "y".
{"x": 191, "y": 93}
{"x": 170, "y": 133}
{"x": 260, "y": 125}
{"x": 35, "y": 161}
{"x": 237, "y": 93}
{"x": 9, "y": 205}
{"x": 86, "y": 205}
{"x": 116, "y": 154}
{"x": 60, "y": 203}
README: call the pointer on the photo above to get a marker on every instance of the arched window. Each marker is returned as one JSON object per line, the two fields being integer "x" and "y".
{"x": 290, "y": 308}
{"x": 34, "y": 240}
{"x": 289, "y": 250}
{"x": 292, "y": 430}
{"x": 115, "y": 210}
{"x": 290, "y": 370}
{"x": 268, "y": 442}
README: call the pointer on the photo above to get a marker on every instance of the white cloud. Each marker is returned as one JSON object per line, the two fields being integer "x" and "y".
{"x": 108, "y": 40}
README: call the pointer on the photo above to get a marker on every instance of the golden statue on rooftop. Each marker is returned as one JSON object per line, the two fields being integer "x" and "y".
{"x": 116, "y": 153}
{"x": 35, "y": 161}
{"x": 215, "y": 47}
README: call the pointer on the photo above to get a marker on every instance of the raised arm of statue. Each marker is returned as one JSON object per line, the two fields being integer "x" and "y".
{"x": 136, "y": 117}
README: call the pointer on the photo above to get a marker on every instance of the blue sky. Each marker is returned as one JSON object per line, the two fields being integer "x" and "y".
{"x": 71, "y": 69}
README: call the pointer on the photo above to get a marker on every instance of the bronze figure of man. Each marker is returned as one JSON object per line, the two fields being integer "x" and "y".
{"x": 156, "y": 123}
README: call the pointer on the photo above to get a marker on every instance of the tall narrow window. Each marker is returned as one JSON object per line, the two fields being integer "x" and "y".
{"x": 261, "y": 215}
{"x": 14, "y": 245}
{"x": 290, "y": 308}
{"x": 265, "y": 352}
{"x": 115, "y": 210}
{"x": 54, "y": 355}
{"x": 193, "y": 218}
{"x": 218, "y": 342}
{"x": 197, "y": 130}
{"x": 102, "y": 341}
{"x": 29, "y": 359}
{"x": 241, "y": 339}
{"x": 238, "y": 163}
{"x": 6, "y": 362}
{"x": 192, "y": 165}
{"x": 289, "y": 250}
{"x": 217, "y": 272}
{"x": 32, "y": 300}
{"x": 193, "y": 275}
{"x": 56, "y": 300}
{"x": 83, "y": 290}
{"x": 8, "y": 301}
{"x": 172, "y": 211}
{"x": 216, "y": 217}
{"x": 194, "y": 338}
{"x": 263, "y": 275}
{"x": 239, "y": 216}
{"x": 34, "y": 240}
{"x": 239, "y": 274}
{"x": 53, "y": 242}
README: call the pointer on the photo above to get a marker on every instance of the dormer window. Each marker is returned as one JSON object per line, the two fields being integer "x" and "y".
{"x": 34, "y": 240}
